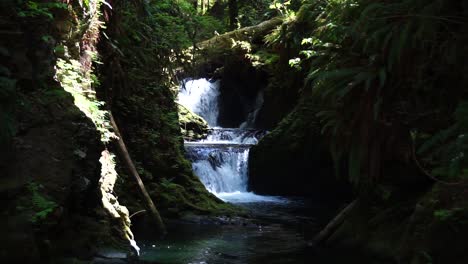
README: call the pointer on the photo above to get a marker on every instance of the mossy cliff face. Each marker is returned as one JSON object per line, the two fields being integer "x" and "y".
{"x": 137, "y": 89}
{"x": 293, "y": 159}
{"x": 50, "y": 170}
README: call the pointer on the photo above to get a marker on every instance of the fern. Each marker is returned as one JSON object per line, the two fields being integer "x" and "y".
{"x": 40, "y": 204}
{"x": 447, "y": 150}
{"x": 375, "y": 61}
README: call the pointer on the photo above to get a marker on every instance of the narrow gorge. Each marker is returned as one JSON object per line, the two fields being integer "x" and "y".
{"x": 233, "y": 131}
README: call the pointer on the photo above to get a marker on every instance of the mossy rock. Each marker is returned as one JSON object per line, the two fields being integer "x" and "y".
{"x": 293, "y": 159}
{"x": 192, "y": 126}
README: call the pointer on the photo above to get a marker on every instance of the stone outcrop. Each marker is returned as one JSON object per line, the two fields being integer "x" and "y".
{"x": 293, "y": 159}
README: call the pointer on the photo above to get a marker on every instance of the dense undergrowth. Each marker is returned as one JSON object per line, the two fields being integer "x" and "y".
{"x": 386, "y": 77}
{"x": 388, "y": 88}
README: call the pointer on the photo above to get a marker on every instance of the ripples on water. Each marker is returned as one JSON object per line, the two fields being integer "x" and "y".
{"x": 280, "y": 233}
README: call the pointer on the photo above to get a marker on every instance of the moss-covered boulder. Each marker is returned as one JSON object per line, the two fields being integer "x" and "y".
{"x": 192, "y": 126}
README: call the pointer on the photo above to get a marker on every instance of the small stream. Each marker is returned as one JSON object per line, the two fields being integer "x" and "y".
{"x": 280, "y": 233}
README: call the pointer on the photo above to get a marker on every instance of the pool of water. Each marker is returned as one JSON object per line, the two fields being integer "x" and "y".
{"x": 280, "y": 232}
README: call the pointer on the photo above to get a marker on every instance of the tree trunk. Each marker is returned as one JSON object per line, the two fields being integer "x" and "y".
{"x": 125, "y": 157}
{"x": 233, "y": 13}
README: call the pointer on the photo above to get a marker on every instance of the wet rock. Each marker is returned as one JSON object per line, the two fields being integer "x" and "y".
{"x": 193, "y": 127}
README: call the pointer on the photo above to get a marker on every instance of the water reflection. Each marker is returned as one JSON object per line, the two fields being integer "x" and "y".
{"x": 279, "y": 235}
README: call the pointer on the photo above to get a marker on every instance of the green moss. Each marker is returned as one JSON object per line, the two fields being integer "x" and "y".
{"x": 192, "y": 126}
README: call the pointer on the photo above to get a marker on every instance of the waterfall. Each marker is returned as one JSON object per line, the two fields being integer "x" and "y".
{"x": 222, "y": 168}
{"x": 220, "y": 160}
{"x": 201, "y": 96}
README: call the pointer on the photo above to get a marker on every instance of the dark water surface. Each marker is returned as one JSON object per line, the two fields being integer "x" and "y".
{"x": 279, "y": 233}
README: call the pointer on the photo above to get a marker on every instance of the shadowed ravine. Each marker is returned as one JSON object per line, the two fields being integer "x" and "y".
{"x": 277, "y": 229}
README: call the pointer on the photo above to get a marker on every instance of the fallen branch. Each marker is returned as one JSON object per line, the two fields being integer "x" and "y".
{"x": 125, "y": 157}
{"x": 333, "y": 224}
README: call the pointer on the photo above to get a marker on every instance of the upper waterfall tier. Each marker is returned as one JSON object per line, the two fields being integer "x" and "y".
{"x": 201, "y": 97}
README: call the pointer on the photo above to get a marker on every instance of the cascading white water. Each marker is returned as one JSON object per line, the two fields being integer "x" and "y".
{"x": 223, "y": 169}
{"x": 201, "y": 96}
{"x": 220, "y": 160}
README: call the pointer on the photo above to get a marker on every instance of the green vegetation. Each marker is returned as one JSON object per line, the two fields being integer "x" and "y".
{"x": 34, "y": 9}
{"x": 146, "y": 49}
{"x": 36, "y": 204}
{"x": 379, "y": 71}
{"x": 77, "y": 83}
{"x": 40, "y": 204}
{"x": 375, "y": 91}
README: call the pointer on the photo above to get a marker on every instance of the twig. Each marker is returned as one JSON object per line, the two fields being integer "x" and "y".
{"x": 138, "y": 212}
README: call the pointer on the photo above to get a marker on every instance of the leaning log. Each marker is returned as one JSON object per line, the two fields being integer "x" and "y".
{"x": 333, "y": 224}
{"x": 125, "y": 157}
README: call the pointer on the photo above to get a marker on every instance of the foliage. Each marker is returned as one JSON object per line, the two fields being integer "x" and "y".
{"x": 254, "y": 12}
{"x": 41, "y": 205}
{"x": 73, "y": 80}
{"x": 36, "y": 203}
{"x": 262, "y": 58}
{"x": 446, "y": 150}
{"x": 35, "y": 9}
{"x": 378, "y": 70}
{"x": 444, "y": 214}
{"x": 146, "y": 46}
{"x": 206, "y": 27}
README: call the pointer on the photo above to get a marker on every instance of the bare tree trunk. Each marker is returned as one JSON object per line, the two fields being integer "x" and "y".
{"x": 125, "y": 157}
{"x": 233, "y": 13}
